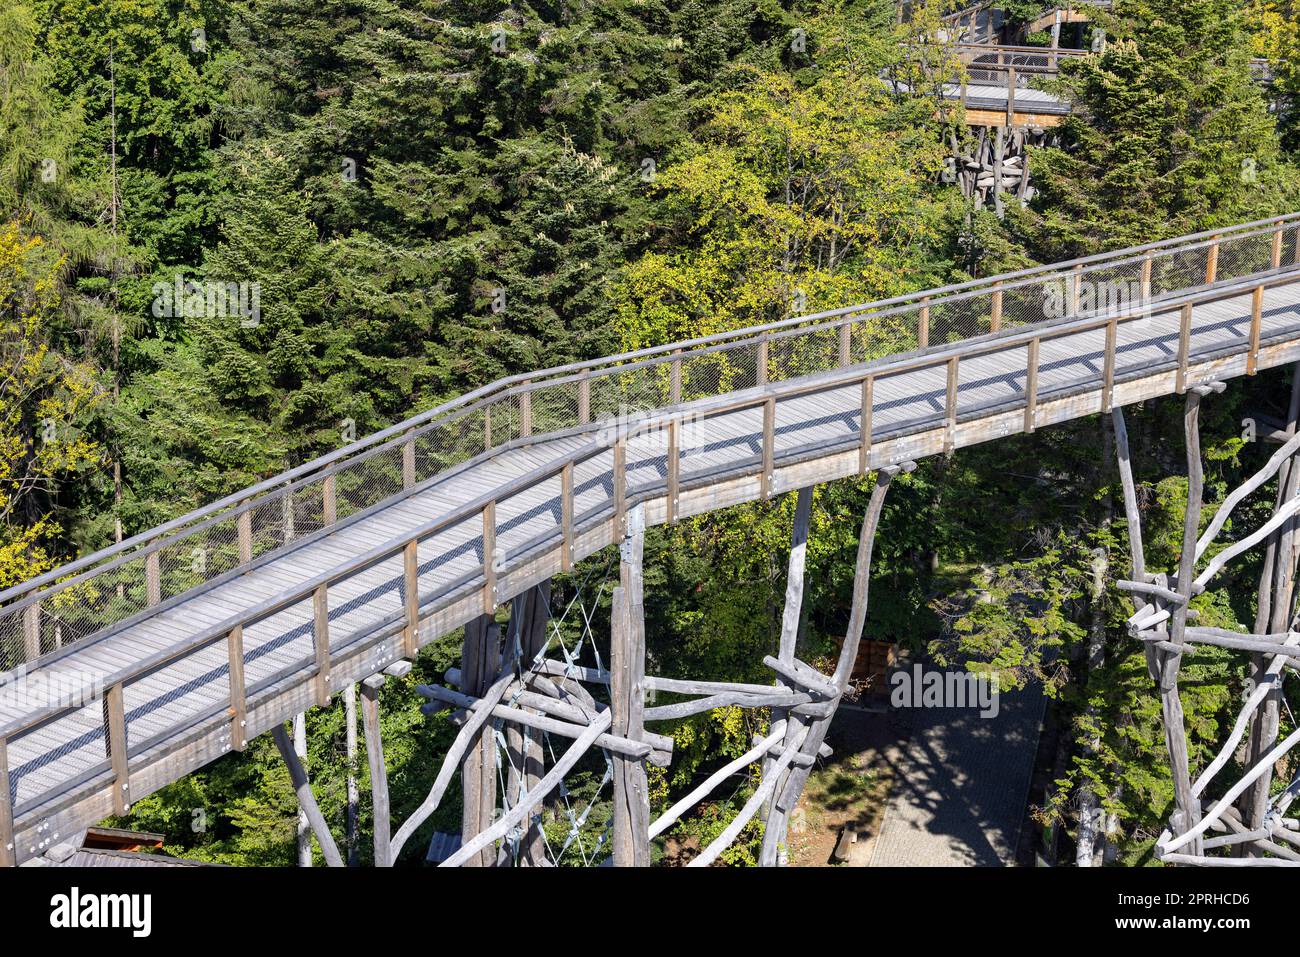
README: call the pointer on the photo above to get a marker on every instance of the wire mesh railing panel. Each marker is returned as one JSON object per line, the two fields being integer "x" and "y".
{"x": 369, "y": 482}
{"x": 175, "y": 695}
{"x": 360, "y": 602}
{"x": 1243, "y": 256}
{"x": 58, "y": 753}
{"x": 959, "y": 319}
{"x": 554, "y": 407}
{"x": 279, "y": 642}
{"x": 13, "y": 651}
{"x": 806, "y": 353}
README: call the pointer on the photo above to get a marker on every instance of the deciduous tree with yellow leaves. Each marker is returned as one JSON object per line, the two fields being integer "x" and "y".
{"x": 43, "y": 396}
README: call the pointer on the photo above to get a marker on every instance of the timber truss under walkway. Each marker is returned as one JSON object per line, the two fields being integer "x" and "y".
{"x": 226, "y": 623}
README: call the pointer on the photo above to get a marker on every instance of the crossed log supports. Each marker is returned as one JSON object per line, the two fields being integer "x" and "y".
{"x": 1256, "y": 826}
{"x": 509, "y": 692}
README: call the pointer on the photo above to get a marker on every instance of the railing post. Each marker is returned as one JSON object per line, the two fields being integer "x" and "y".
{"x": 619, "y": 480}
{"x": 845, "y": 343}
{"x": 1276, "y": 259}
{"x": 760, "y": 370}
{"x": 1031, "y": 386}
{"x": 923, "y": 324}
{"x": 1011, "y": 98}
{"x": 1184, "y": 344}
{"x": 8, "y": 852}
{"x": 487, "y": 427}
{"x": 566, "y": 517}
{"x": 152, "y": 580}
{"x": 321, "y": 640}
{"x": 1076, "y": 283}
{"x": 864, "y": 424}
{"x": 238, "y": 696}
{"x": 674, "y": 467}
{"x": 950, "y": 409}
{"x": 1256, "y": 318}
{"x": 244, "y": 532}
{"x": 408, "y": 463}
{"x": 329, "y": 501}
{"x": 290, "y": 525}
{"x": 489, "y": 558}
{"x": 1144, "y": 285}
{"x": 1212, "y": 261}
{"x": 525, "y": 410}
{"x": 675, "y": 379}
{"x": 115, "y": 719}
{"x": 769, "y": 449}
{"x": 1108, "y": 365}
{"x": 995, "y": 308}
{"x": 32, "y": 631}
{"x": 584, "y": 398}
{"x": 411, "y": 587}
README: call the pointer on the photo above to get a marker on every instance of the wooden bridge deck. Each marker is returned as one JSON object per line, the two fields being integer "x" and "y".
{"x": 330, "y": 608}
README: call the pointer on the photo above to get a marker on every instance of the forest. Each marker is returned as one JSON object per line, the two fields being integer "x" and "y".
{"x": 383, "y": 175}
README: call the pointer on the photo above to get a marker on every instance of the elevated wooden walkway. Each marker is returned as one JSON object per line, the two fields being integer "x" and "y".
{"x": 221, "y": 625}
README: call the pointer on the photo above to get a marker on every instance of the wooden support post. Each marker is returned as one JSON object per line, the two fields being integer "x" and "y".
{"x": 238, "y": 695}
{"x": 999, "y": 156}
{"x": 329, "y": 500}
{"x": 675, "y": 379}
{"x": 303, "y": 825}
{"x": 1184, "y": 346}
{"x": 244, "y": 531}
{"x": 378, "y": 770}
{"x": 1276, "y": 258}
{"x": 489, "y": 558}
{"x": 619, "y": 478}
{"x": 923, "y": 324}
{"x": 352, "y": 811}
{"x": 1256, "y": 319}
{"x": 1144, "y": 284}
{"x": 411, "y": 599}
{"x": 995, "y": 314}
{"x": 566, "y": 517}
{"x": 408, "y": 463}
{"x": 769, "y": 449}
{"x": 321, "y": 642}
{"x": 152, "y": 580}
{"x": 845, "y": 343}
{"x": 1108, "y": 367}
{"x": 306, "y": 800}
{"x": 791, "y": 616}
{"x": 115, "y": 725}
{"x": 630, "y": 834}
{"x": 760, "y": 365}
{"x": 864, "y": 444}
{"x": 526, "y": 639}
{"x": 525, "y": 410}
{"x": 8, "y": 844}
{"x": 32, "y": 631}
{"x": 1031, "y": 386}
{"x": 1188, "y": 809}
{"x": 480, "y": 663}
{"x": 487, "y": 426}
{"x": 584, "y": 398}
{"x": 1212, "y": 262}
{"x": 1076, "y": 289}
{"x": 950, "y": 409}
{"x": 673, "y": 468}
